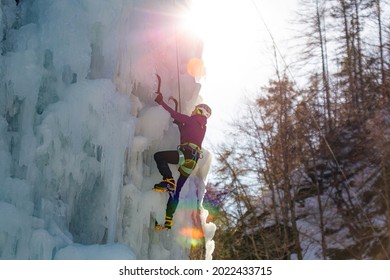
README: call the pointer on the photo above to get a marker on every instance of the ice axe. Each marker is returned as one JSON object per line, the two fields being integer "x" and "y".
{"x": 158, "y": 84}
{"x": 174, "y": 101}
{"x": 159, "y": 92}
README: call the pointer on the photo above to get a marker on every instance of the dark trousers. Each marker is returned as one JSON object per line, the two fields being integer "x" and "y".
{"x": 162, "y": 160}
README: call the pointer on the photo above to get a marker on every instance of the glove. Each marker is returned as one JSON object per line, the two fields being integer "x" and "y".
{"x": 159, "y": 98}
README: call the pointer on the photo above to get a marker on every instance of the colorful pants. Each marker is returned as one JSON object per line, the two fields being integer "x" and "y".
{"x": 162, "y": 160}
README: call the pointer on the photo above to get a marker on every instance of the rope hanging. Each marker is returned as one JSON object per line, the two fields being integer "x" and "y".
{"x": 177, "y": 64}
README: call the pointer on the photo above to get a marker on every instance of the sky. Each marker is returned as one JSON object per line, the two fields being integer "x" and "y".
{"x": 237, "y": 54}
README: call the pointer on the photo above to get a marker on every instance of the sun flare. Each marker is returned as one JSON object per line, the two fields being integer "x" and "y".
{"x": 224, "y": 26}
{"x": 213, "y": 19}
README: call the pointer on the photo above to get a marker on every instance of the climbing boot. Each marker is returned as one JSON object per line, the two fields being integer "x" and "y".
{"x": 168, "y": 222}
{"x": 167, "y": 225}
{"x": 166, "y": 185}
{"x": 160, "y": 227}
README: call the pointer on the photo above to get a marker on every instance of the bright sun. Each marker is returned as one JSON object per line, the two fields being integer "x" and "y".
{"x": 237, "y": 51}
{"x": 219, "y": 19}
{"x": 227, "y": 29}
{"x": 198, "y": 18}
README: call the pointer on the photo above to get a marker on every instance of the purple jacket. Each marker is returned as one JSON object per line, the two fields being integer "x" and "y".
{"x": 192, "y": 128}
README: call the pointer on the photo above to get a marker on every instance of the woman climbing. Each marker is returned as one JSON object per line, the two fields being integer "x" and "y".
{"x": 192, "y": 131}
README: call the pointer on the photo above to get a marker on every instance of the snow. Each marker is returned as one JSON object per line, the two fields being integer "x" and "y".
{"x": 79, "y": 127}
{"x": 95, "y": 252}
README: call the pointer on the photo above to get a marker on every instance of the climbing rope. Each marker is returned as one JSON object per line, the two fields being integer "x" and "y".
{"x": 177, "y": 64}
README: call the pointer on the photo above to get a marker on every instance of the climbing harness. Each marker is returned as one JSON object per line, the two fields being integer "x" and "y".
{"x": 186, "y": 166}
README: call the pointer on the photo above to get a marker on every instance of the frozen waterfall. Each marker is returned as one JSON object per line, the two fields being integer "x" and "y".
{"x": 79, "y": 127}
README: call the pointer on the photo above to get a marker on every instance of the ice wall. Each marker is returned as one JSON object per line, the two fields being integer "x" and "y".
{"x": 79, "y": 127}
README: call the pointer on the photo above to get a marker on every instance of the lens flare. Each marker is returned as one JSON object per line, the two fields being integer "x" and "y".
{"x": 194, "y": 234}
{"x": 195, "y": 67}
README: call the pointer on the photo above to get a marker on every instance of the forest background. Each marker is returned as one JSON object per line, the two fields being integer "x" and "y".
{"x": 304, "y": 174}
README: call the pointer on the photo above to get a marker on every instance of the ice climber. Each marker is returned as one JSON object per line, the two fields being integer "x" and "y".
{"x": 192, "y": 131}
